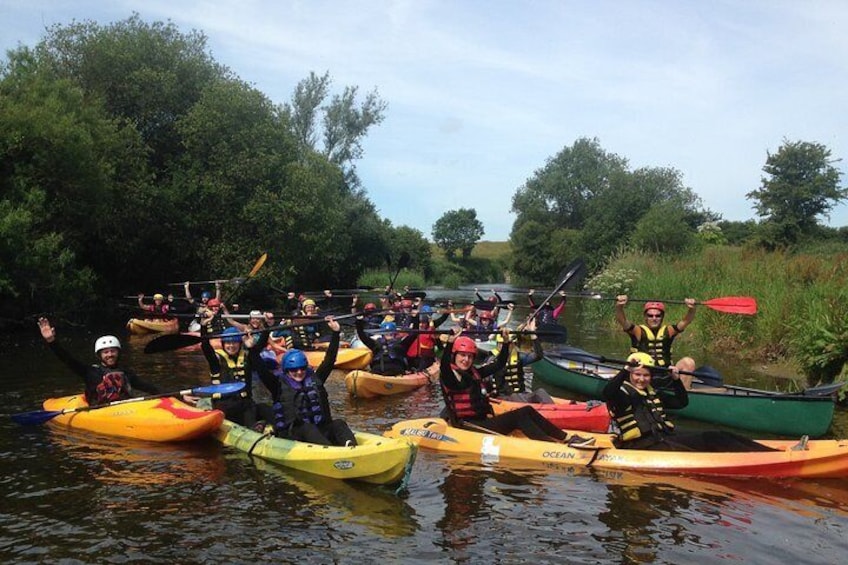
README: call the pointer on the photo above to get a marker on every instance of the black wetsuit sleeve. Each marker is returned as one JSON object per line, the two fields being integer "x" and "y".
{"x": 678, "y": 397}
{"x": 440, "y": 320}
{"x": 446, "y": 375}
{"x": 78, "y": 367}
{"x": 498, "y": 364}
{"x": 364, "y": 337}
{"x": 326, "y": 366}
{"x": 209, "y": 353}
{"x": 268, "y": 378}
{"x": 617, "y": 399}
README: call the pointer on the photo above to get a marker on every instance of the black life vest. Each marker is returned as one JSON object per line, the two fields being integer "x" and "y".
{"x": 644, "y": 415}
{"x": 307, "y": 402}
{"x": 114, "y": 385}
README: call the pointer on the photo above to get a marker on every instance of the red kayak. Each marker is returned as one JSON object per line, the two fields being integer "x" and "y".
{"x": 564, "y": 413}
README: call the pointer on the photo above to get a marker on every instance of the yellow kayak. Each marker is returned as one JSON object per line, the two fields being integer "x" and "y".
{"x": 820, "y": 458}
{"x": 363, "y": 384}
{"x": 139, "y": 326}
{"x": 375, "y": 459}
{"x": 159, "y": 419}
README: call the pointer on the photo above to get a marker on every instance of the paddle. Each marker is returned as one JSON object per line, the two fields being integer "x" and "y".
{"x": 41, "y": 416}
{"x": 745, "y": 305}
{"x": 216, "y": 281}
{"x": 172, "y": 342}
{"x": 706, "y": 374}
{"x": 573, "y": 272}
{"x": 240, "y": 283}
{"x": 403, "y": 261}
{"x": 549, "y": 334}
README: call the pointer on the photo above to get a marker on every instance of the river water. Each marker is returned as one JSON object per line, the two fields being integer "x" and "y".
{"x": 75, "y": 498}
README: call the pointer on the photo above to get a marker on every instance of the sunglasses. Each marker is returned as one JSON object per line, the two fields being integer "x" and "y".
{"x": 654, "y": 316}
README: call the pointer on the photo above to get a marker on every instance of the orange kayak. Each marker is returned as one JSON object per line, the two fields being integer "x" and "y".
{"x": 564, "y": 413}
{"x": 363, "y": 384}
{"x": 160, "y": 419}
{"x": 139, "y": 326}
{"x": 819, "y": 459}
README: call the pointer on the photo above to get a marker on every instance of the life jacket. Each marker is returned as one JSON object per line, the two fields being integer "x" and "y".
{"x": 546, "y": 315}
{"x": 114, "y": 385}
{"x": 300, "y": 401}
{"x": 469, "y": 403}
{"x": 390, "y": 357}
{"x": 301, "y": 337}
{"x": 423, "y": 346}
{"x": 232, "y": 370}
{"x": 513, "y": 375}
{"x": 644, "y": 415}
{"x": 656, "y": 345}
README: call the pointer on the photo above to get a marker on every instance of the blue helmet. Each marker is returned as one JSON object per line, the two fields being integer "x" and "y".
{"x": 205, "y": 295}
{"x": 294, "y": 359}
{"x": 388, "y": 326}
{"x": 426, "y": 309}
{"x": 231, "y": 335}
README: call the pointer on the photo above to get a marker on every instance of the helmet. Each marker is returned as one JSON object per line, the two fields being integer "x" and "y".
{"x": 396, "y": 305}
{"x": 487, "y": 315}
{"x": 105, "y": 342}
{"x": 205, "y": 295}
{"x": 654, "y": 306}
{"x": 640, "y": 359}
{"x": 213, "y": 302}
{"x": 464, "y": 344}
{"x": 158, "y": 296}
{"x": 388, "y": 326}
{"x": 308, "y": 302}
{"x": 256, "y": 314}
{"x": 294, "y": 359}
{"x": 426, "y": 309}
{"x": 492, "y": 299}
{"x": 406, "y": 303}
{"x": 231, "y": 335}
{"x": 370, "y": 307}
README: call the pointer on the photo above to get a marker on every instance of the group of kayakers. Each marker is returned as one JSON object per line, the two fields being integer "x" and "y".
{"x": 403, "y": 334}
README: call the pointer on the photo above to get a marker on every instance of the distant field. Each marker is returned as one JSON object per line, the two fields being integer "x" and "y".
{"x": 493, "y": 250}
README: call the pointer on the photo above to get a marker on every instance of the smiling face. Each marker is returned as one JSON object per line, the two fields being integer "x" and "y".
{"x": 109, "y": 356}
{"x": 297, "y": 374}
{"x": 653, "y": 318}
{"x": 463, "y": 360}
{"x": 640, "y": 377}
{"x": 231, "y": 347}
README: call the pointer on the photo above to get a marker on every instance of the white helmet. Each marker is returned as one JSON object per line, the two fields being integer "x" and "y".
{"x": 105, "y": 342}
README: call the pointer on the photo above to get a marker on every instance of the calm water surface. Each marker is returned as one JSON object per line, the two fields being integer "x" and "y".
{"x": 72, "y": 498}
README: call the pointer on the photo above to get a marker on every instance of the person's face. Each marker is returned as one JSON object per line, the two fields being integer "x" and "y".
{"x": 297, "y": 374}
{"x": 231, "y": 347}
{"x": 640, "y": 377}
{"x": 653, "y": 318}
{"x": 255, "y": 323}
{"x": 109, "y": 356}
{"x": 309, "y": 309}
{"x": 463, "y": 360}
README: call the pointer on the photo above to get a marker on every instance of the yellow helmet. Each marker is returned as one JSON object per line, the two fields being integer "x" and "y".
{"x": 158, "y": 296}
{"x": 308, "y": 302}
{"x": 640, "y": 359}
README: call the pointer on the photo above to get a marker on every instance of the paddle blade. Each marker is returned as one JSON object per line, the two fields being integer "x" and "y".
{"x": 222, "y": 389}
{"x": 403, "y": 262}
{"x": 733, "y": 305}
{"x": 35, "y": 417}
{"x": 574, "y": 274}
{"x": 258, "y": 265}
{"x": 171, "y": 342}
{"x": 552, "y": 333}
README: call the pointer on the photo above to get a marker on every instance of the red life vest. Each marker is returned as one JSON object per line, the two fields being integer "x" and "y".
{"x": 471, "y": 402}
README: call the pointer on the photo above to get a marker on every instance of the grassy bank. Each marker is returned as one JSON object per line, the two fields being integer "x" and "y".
{"x": 802, "y": 299}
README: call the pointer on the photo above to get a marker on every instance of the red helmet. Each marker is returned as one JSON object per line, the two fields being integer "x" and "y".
{"x": 487, "y": 315}
{"x": 213, "y": 302}
{"x": 464, "y": 344}
{"x": 396, "y": 305}
{"x": 492, "y": 299}
{"x": 654, "y": 306}
{"x": 370, "y": 307}
{"x": 406, "y": 303}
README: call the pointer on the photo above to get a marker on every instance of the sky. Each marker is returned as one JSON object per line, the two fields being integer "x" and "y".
{"x": 481, "y": 94}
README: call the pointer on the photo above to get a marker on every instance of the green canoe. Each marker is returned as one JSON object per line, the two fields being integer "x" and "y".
{"x": 748, "y": 409}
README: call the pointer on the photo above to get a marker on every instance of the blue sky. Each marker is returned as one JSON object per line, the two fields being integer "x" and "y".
{"x": 481, "y": 93}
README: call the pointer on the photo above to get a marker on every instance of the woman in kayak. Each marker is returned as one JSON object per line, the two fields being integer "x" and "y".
{"x": 466, "y": 399}
{"x": 230, "y": 364}
{"x": 548, "y": 313}
{"x": 105, "y": 381}
{"x": 639, "y": 413}
{"x": 301, "y": 405}
{"x": 389, "y": 348}
{"x": 509, "y": 383}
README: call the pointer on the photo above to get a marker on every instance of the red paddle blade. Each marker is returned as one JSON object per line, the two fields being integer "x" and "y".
{"x": 733, "y": 305}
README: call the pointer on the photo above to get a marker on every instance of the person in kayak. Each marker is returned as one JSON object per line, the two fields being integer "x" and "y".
{"x": 301, "y": 405}
{"x": 421, "y": 354}
{"x": 655, "y": 338}
{"x": 159, "y": 305}
{"x": 389, "y": 348}
{"x": 466, "y": 397}
{"x": 638, "y": 411}
{"x": 548, "y": 313}
{"x": 509, "y": 382}
{"x": 104, "y": 381}
{"x": 229, "y": 364}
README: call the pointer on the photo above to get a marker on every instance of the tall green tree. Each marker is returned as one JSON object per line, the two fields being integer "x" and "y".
{"x": 458, "y": 230}
{"x": 341, "y": 124}
{"x": 801, "y": 185}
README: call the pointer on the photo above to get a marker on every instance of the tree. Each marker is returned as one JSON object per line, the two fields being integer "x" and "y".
{"x": 344, "y": 123}
{"x": 801, "y": 185}
{"x": 458, "y": 230}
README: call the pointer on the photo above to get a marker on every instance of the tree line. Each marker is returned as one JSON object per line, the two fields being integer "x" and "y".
{"x": 130, "y": 157}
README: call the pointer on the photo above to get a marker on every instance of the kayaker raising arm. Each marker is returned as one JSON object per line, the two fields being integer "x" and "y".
{"x": 466, "y": 399}
{"x": 105, "y": 381}
{"x": 639, "y": 414}
{"x": 301, "y": 404}
{"x": 655, "y": 338}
